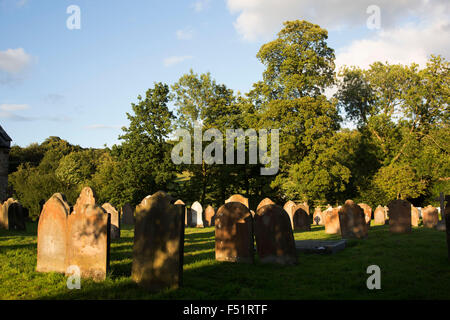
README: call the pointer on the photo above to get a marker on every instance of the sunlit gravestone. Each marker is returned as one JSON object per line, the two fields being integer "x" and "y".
{"x": 87, "y": 196}
{"x": 88, "y": 241}
{"x": 289, "y": 208}
{"x": 352, "y": 221}
{"x": 430, "y": 217}
{"x": 238, "y": 198}
{"x": 197, "y": 215}
{"x": 158, "y": 243}
{"x": 263, "y": 203}
{"x": 52, "y": 235}
{"x": 331, "y": 218}
{"x": 234, "y": 233}
{"x": 399, "y": 216}
{"x": 367, "y": 212}
{"x": 209, "y": 216}
{"x": 115, "y": 220}
{"x": 12, "y": 215}
{"x": 379, "y": 216}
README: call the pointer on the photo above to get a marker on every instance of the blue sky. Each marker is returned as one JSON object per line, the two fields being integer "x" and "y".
{"x": 78, "y": 84}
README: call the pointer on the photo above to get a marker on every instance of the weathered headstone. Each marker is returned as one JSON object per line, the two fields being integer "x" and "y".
{"x": 414, "y": 216}
{"x": 273, "y": 234}
{"x": 331, "y": 218}
{"x": 234, "y": 233}
{"x": 89, "y": 241}
{"x": 367, "y": 212}
{"x": 158, "y": 243}
{"x": 318, "y": 217}
{"x": 399, "y": 216}
{"x": 289, "y": 208}
{"x": 52, "y": 236}
{"x": 87, "y": 196}
{"x": 430, "y": 217}
{"x": 352, "y": 221}
{"x": 127, "y": 214}
{"x": 301, "y": 219}
{"x": 209, "y": 216}
{"x": 238, "y": 198}
{"x": 379, "y": 215}
{"x": 115, "y": 221}
{"x": 197, "y": 215}
{"x": 12, "y": 215}
{"x": 263, "y": 203}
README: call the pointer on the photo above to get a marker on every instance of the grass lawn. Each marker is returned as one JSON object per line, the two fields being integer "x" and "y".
{"x": 413, "y": 266}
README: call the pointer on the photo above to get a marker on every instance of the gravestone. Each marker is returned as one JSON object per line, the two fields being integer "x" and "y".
{"x": 263, "y": 203}
{"x": 52, "y": 236}
{"x": 88, "y": 241}
{"x": 352, "y": 221}
{"x": 186, "y": 221}
{"x": 318, "y": 217}
{"x": 115, "y": 221}
{"x": 430, "y": 217}
{"x": 399, "y": 216}
{"x": 12, "y": 215}
{"x": 367, "y": 212}
{"x": 301, "y": 219}
{"x": 158, "y": 243}
{"x": 234, "y": 233}
{"x": 273, "y": 234}
{"x": 289, "y": 208}
{"x": 127, "y": 214}
{"x": 379, "y": 215}
{"x": 209, "y": 216}
{"x": 197, "y": 215}
{"x": 189, "y": 218}
{"x": 331, "y": 219}
{"x": 238, "y": 198}
{"x": 414, "y": 216}
{"x": 86, "y": 197}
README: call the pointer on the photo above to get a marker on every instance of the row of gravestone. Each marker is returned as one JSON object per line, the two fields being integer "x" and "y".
{"x": 13, "y": 215}
{"x": 80, "y": 236}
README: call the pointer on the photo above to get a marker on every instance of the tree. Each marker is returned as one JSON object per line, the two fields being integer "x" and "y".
{"x": 144, "y": 155}
{"x": 298, "y": 63}
{"x": 299, "y": 67}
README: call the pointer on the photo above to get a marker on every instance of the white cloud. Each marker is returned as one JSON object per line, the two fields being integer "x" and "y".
{"x": 411, "y": 43}
{"x": 185, "y": 34}
{"x": 13, "y": 107}
{"x": 261, "y": 19}
{"x": 200, "y": 5}
{"x": 170, "y": 61}
{"x": 14, "y": 60}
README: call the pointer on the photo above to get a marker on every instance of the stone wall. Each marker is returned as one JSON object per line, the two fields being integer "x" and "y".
{"x": 4, "y": 156}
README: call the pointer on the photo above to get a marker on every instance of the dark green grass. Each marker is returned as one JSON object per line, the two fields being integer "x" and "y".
{"x": 413, "y": 266}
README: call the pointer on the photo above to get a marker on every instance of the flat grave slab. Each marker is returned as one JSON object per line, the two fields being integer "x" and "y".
{"x": 320, "y": 246}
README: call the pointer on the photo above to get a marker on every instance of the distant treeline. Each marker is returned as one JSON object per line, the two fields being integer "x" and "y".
{"x": 399, "y": 148}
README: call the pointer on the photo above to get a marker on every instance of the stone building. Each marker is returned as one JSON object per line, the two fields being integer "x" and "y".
{"x": 5, "y": 145}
